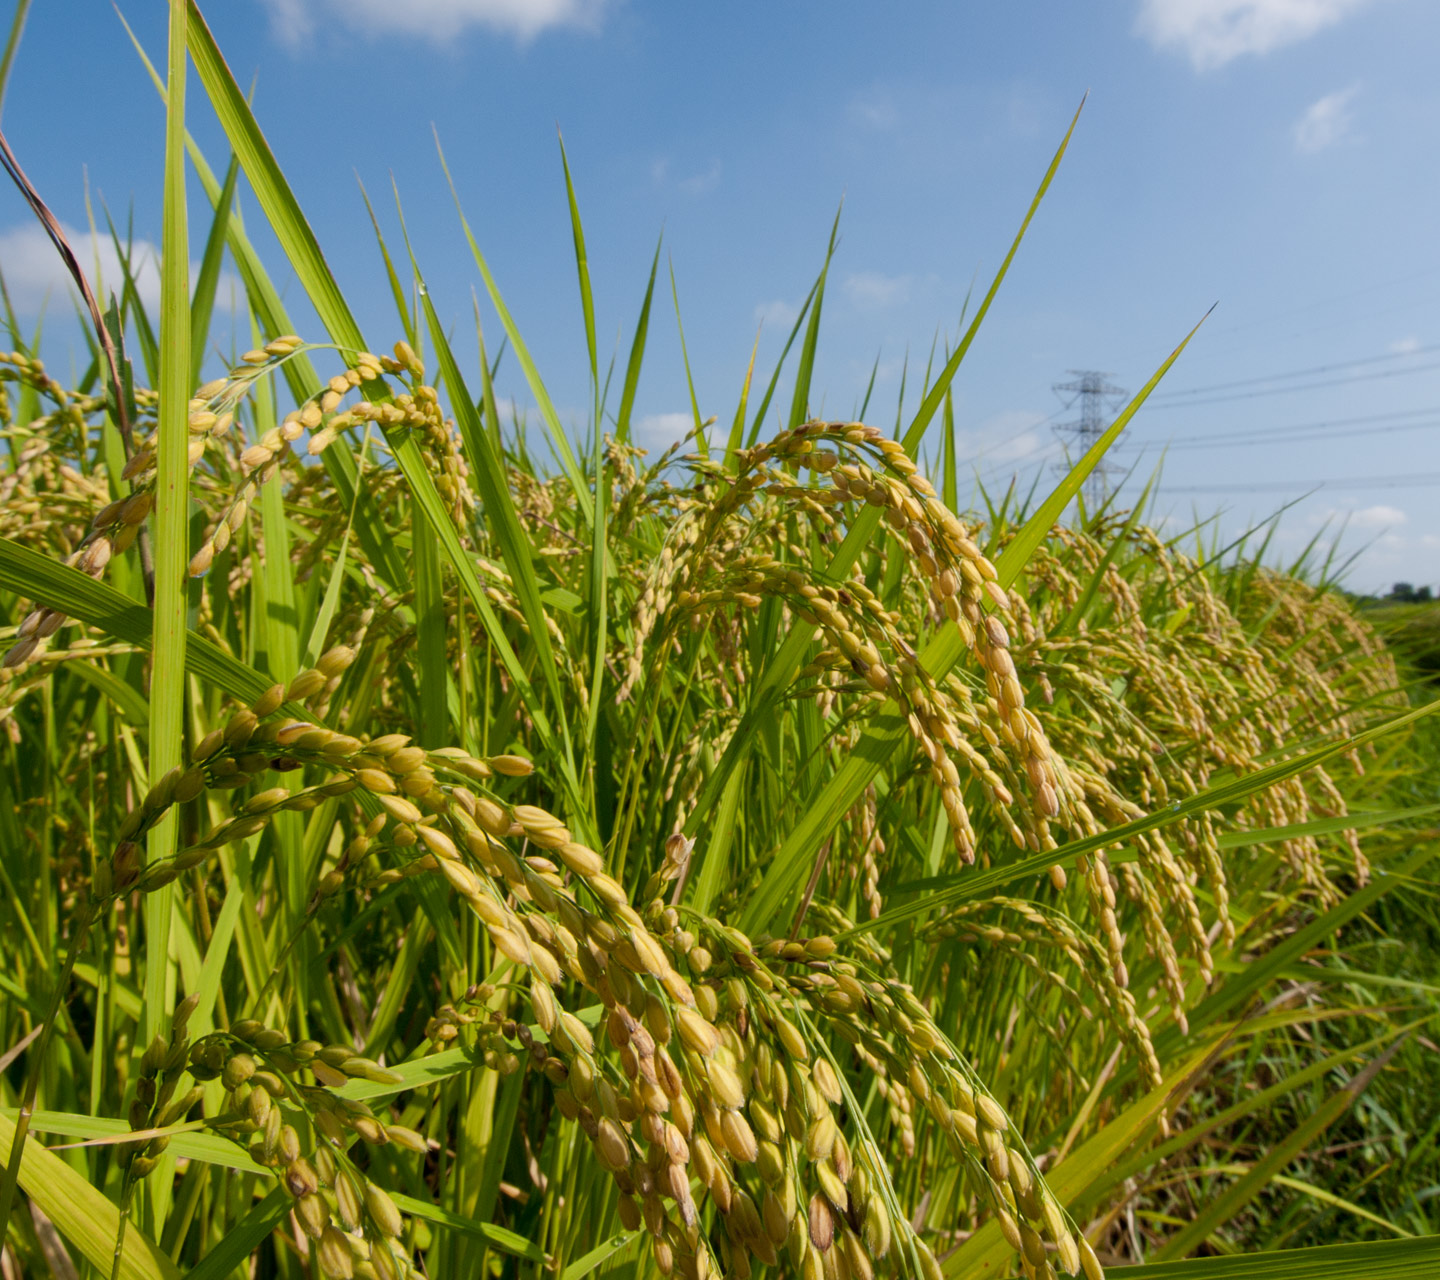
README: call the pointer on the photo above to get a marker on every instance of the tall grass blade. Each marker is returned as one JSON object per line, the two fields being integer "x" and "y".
{"x": 936, "y": 393}
{"x": 1218, "y": 1211}
{"x": 702, "y": 444}
{"x": 202, "y": 305}
{"x": 1372, "y": 1260}
{"x": 967, "y": 885}
{"x": 83, "y": 1215}
{"x": 559, "y": 437}
{"x": 805, "y": 370}
{"x": 637, "y": 355}
{"x": 12, "y": 45}
{"x": 171, "y": 521}
{"x": 516, "y": 549}
{"x": 270, "y": 186}
{"x": 1018, "y": 553}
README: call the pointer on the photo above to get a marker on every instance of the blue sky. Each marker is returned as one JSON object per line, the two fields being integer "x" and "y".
{"x": 1274, "y": 156}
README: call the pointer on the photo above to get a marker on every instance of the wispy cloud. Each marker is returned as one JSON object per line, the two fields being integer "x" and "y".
{"x": 1406, "y": 346}
{"x": 1376, "y": 517}
{"x": 295, "y": 21}
{"x": 777, "y": 312}
{"x": 696, "y": 184}
{"x": 660, "y": 430}
{"x": 1213, "y": 32}
{"x": 1008, "y": 436}
{"x": 34, "y": 271}
{"x": 35, "y": 275}
{"x": 873, "y": 289}
{"x": 874, "y": 108}
{"x": 699, "y": 183}
{"x": 1348, "y": 512}
{"x": 1326, "y": 122}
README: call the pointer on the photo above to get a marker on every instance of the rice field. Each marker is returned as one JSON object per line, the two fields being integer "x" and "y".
{"x": 433, "y": 843}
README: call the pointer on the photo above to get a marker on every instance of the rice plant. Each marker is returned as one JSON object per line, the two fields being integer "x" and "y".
{"x": 428, "y": 852}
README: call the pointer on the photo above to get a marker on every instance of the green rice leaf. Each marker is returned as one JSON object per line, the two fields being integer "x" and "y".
{"x": 83, "y": 1215}
{"x": 1372, "y": 1260}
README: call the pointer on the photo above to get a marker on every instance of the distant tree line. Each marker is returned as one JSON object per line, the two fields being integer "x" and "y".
{"x": 1405, "y": 593}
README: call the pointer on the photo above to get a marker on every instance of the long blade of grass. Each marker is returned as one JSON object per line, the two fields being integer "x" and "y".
{"x": 511, "y": 1242}
{"x": 83, "y": 1215}
{"x": 559, "y": 437}
{"x": 949, "y": 477}
{"x": 264, "y": 299}
{"x": 270, "y": 186}
{"x": 12, "y": 45}
{"x": 202, "y": 305}
{"x": 582, "y": 267}
{"x": 1353, "y": 821}
{"x": 1217, "y": 1211}
{"x": 1017, "y": 554}
{"x": 243, "y": 1238}
{"x": 397, "y": 290}
{"x": 942, "y": 891}
{"x": 28, "y": 573}
{"x": 602, "y": 1252}
{"x": 805, "y": 370}
{"x": 597, "y": 578}
{"x": 171, "y": 521}
{"x": 637, "y": 355}
{"x": 936, "y": 394}
{"x": 737, "y": 425}
{"x": 488, "y": 474}
{"x": 759, "y": 419}
{"x": 1372, "y": 1260}
{"x": 702, "y": 445}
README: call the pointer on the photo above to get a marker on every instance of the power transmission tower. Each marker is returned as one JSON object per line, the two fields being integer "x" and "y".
{"x": 1096, "y": 398}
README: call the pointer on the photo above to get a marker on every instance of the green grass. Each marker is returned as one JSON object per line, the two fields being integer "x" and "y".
{"x": 1413, "y": 629}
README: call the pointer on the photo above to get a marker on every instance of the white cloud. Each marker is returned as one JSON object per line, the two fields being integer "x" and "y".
{"x": 294, "y": 21}
{"x": 874, "y": 289}
{"x": 1008, "y": 436}
{"x": 1325, "y": 122}
{"x": 1380, "y": 516}
{"x": 874, "y": 109}
{"x": 290, "y": 21}
{"x": 1377, "y": 517}
{"x": 1406, "y": 346}
{"x": 660, "y": 430}
{"x": 776, "y": 312}
{"x": 1213, "y": 32}
{"x": 699, "y": 183}
{"x": 34, "y": 271}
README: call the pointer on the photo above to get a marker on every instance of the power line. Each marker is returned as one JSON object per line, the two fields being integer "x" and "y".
{"x": 1300, "y": 373}
{"x": 1296, "y": 434}
{"x": 1304, "y": 386}
{"x": 1319, "y": 303}
{"x": 1347, "y": 322}
{"x": 1411, "y": 481}
{"x": 1360, "y": 420}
